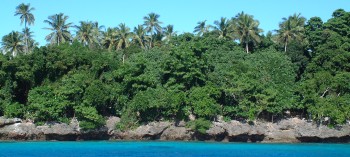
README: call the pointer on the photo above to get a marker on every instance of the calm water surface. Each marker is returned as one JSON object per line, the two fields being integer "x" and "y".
{"x": 169, "y": 149}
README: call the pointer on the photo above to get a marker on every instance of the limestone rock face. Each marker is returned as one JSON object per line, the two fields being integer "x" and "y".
{"x": 236, "y": 131}
{"x": 58, "y": 129}
{"x": 235, "y": 128}
{"x": 286, "y": 130}
{"x": 177, "y": 134}
{"x": 308, "y": 132}
{"x": 5, "y": 121}
{"x": 216, "y": 129}
{"x": 111, "y": 123}
{"x": 152, "y": 130}
{"x": 20, "y": 131}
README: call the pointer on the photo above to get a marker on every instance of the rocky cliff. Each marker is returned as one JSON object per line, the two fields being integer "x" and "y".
{"x": 287, "y": 130}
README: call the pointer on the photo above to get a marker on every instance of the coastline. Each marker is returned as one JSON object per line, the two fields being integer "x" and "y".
{"x": 292, "y": 130}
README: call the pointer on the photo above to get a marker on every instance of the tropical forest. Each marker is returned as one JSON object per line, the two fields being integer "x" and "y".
{"x": 229, "y": 69}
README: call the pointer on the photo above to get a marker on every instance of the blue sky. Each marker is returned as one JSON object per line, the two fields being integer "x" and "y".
{"x": 183, "y": 14}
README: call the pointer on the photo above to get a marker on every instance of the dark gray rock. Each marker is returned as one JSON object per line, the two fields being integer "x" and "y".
{"x": 8, "y": 121}
{"x": 235, "y": 128}
{"x": 287, "y": 130}
{"x": 177, "y": 133}
{"x": 21, "y": 131}
{"x": 216, "y": 129}
{"x": 180, "y": 123}
{"x": 152, "y": 130}
{"x": 244, "y": 132}
{"x": 258, "y": 129}
{"x": 111, "y": 124}
{"x": 309, "y": 132}
{"x": 291, "y": 123}
{"x": 285, "y": 136}
{"x": 58, "y": 129}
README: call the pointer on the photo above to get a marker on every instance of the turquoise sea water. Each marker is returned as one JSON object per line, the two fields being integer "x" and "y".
{"x": 169, "y": 149}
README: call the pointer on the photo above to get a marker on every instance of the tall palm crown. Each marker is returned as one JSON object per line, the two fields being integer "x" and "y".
{"x": 109, "y": 38}
{"x": 168, "y": 33}
{"x": 97, "y": 32}
{"x": 246, "y": 29}
{"x": 201, "y": 28}
{"x": 123, "y": 36}
{"x": 291, "y": 28}
{"x": 87, "y": 33}
{"x": 59, "y": 28}
{"x": 223, "y": 27}
{"x": 152, "y": 25}
{"x": 13, "y": 43}
{"x": 139, "y": 36}
{"x": 24, "y": 11}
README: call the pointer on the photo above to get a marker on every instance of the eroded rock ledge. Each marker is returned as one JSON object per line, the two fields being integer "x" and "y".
{"x": 286, "y": 131}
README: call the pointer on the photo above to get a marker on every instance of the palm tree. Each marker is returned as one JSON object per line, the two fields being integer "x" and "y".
{"x": 157, "y": 39}
{"x": 139, "y": 36}
{"x": 246, "y": 29}
{"x": 109, "y": 38}
{"x": 97, "y": 32}
{"x": 59, "y": 28}
{"x": 201, "y": 28}
{"x": 152, "y": 25}
{"x": 86, "y": 33}
{"x": 291, "y": 28}
{"x": 28, "y": 38}
{"x": 223, "y": 27}
{"x": 168, "y": 33}
{"x": 13, "y": 43}
{"x": 123, "y": 36}
{"x": 24, "y": 11}
{"x": 32, "y": 44}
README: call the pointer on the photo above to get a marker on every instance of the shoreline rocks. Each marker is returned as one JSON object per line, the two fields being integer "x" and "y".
{"x": 291, "y": 130}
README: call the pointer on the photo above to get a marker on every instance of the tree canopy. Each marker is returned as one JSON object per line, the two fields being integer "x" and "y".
{"x": 151, "y": 73}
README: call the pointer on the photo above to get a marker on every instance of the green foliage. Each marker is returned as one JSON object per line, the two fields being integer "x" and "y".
{"x": 44, "y": 104}
{"x": 262, "y": 82}
{"x": 156, "y": 104}
{"x": 128, "y": 120}
{"x": 292, "y": 28}
{"x": 185, "y": 68}
{"x": 247, "y": 30}
{"x": 200, "y": 125}
{"x": 206, "y": 75}
{"x": 14, "y": 110}
{"x": 89, "y": 117}
{"x": 325, "y": 85}
{"x": 314, "y": 29}
{"x": 202, "y": 101}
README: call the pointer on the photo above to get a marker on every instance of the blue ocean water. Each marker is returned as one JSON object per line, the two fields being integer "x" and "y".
{"x": 169, "y": 149}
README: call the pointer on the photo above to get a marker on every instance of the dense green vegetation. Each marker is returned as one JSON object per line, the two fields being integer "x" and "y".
{"x": 151, "y": 74}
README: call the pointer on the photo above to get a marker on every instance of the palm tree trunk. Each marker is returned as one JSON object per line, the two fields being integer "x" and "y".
{"x": 142, "y": 46}
{"x": 27, "y": 49}
{"x": 285, "y": 46}
{"x": 25, "y": 36}
{"x": 109, "y": 47}
{"x": 150, "y": 43}
{"x": 246, "y": 47}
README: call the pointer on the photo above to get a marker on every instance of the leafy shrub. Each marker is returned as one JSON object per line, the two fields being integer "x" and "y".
{"x": 128, "y": 121}
{"x": 14, "y": 110}
{"x": 200, "y": 125}
{"x": 89, "y": 117}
